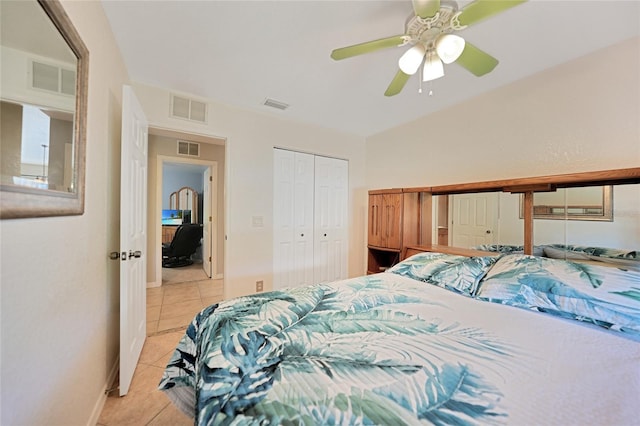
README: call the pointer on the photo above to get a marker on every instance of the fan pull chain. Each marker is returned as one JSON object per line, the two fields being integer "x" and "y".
{"x": 420, "y": 84}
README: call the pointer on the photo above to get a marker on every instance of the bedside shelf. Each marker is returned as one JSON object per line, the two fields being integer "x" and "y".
{"x": 380, "y": 259}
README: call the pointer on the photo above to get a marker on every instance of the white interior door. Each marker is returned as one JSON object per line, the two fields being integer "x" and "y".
{"x": 133, "y": 236}
{"x": 330, "y": 217}
{"x": 474, "y": 219}
{"x": 206, "y": 222}
{"x": 303, "y": 232}
{"x": 293, "y": 219}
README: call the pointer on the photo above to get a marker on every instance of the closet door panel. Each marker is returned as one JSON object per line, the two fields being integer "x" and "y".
{"x": 303, "y": 219}
{"x": 331, "y": 197}
{"x": 283, "y": 219}
{"x": 293, "y": 219}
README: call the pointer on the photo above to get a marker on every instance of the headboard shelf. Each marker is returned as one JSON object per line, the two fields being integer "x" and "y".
{"x": 411, "y": 250}
{"x": 538, "y": 183}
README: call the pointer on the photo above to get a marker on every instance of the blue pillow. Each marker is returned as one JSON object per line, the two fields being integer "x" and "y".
{"x": 457, "y": 273}
{"x": 596, "y": 294}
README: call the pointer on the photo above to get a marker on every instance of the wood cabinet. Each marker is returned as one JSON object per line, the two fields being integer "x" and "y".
{"x": 385, "y": 213}
{"x": 168, "y": 231}
{"x": 393, "y": 220}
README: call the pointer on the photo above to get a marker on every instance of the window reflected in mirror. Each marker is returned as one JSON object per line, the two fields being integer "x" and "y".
{"x": 584, "y": 203}
{"x": 38, "y": 100}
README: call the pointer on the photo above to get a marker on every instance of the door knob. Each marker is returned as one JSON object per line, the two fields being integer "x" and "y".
{"x": 488, "y": 231}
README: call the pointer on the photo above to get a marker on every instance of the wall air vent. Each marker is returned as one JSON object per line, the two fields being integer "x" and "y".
{"x": 53, "y": 78}
{"x": 191, "y": 149}
{"x": 188, "y": 109}
{"x": 275, "y": 104}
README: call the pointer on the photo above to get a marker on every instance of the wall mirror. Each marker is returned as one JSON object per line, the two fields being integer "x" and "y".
{"x": 582, "y": 203}
{"x": 43, "y": 100}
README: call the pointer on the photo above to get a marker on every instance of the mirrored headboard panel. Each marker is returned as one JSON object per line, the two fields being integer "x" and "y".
{"x": 494, "y": 212}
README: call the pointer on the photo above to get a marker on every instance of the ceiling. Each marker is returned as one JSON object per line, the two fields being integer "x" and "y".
{"x": 240, "y": 53}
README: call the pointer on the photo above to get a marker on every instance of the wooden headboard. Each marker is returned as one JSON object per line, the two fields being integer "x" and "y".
{"x": 411, "y": 250}
{"x": 527, "y": 187}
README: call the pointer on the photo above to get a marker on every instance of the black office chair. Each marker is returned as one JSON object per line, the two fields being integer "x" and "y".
{"x": 185, "y": 242}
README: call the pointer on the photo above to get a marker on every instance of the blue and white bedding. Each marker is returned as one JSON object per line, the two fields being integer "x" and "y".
{"x": 388, "y": 349}
{"x": 626, "y": 259}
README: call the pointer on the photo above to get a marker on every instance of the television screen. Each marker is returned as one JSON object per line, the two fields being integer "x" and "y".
{"x": 172, "y": 217}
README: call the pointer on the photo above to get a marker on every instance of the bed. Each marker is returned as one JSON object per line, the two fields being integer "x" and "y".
{"x": 436, "y": 339}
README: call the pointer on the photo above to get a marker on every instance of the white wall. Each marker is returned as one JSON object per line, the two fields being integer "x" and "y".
{"x": 59, "y": 307}
{"x": 579, "y": 116}
{"x": 250, "y": 138}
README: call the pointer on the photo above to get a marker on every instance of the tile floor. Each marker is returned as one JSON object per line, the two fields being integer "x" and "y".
{"x": 170, "y": 308}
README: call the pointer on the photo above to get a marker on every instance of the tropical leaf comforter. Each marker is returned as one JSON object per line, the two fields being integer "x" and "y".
{"x": 386, "y": 349}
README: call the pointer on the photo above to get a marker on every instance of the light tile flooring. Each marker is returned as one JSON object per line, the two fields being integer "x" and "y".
{"x": 170, "y": 308}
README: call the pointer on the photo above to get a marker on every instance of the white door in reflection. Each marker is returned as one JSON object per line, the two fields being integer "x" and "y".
{"x": 473, "y": 219}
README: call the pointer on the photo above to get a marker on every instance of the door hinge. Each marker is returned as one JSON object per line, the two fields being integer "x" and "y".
{"x": 209, "y": 258}
{"x": 210, "y": 178}
{"x": 210, "y": 218}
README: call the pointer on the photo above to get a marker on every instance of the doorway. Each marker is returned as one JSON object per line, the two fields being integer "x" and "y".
{"x": 187, "y": 199}
{"x": 204, "y": 172}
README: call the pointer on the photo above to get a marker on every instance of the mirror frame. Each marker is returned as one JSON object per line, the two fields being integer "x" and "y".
{"x": 22, "y": 202}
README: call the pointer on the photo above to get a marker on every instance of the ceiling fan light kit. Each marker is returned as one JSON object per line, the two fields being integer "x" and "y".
{"x": 433, "y": 67}
{"x": 410, "y": 61}
{"x": 430, "y": 34}
{"x": 449, "y": 47}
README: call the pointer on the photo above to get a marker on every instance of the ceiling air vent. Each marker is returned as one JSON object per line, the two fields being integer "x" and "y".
{"x": 53, "y": 78}
{"x": 275, "y": 104}
{"x": 191, "y": 149}
{"x": 188, "y": 109}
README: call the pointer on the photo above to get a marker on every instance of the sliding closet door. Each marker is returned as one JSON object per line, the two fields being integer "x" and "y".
{"x": 293, "y": 218}
{"x": 331, "y": 197}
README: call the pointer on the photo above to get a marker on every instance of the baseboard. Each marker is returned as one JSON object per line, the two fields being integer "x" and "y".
{"x": 153, "y": 284}
{"x": 218, "y": 277}
{"x": 102, "y": 398}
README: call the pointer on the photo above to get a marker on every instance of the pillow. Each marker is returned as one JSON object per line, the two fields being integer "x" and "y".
{"x": 558, "y": 253}
{"x": 457, "y": 273}
{"x": 507, "y": 248}
{"x": 620, "y": 258}
{"x": 600, "y": 295}
{"x": 599, "y": 252}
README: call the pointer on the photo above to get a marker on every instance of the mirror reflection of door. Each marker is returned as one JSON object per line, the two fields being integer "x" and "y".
{"x": 473, "y": 219}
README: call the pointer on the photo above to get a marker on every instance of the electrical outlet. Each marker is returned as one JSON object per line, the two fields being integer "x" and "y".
{"x": 259, "y": 285}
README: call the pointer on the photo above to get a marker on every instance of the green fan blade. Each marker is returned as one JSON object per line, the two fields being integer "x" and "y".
{"x": 369, "y": 46}
{"x": 481, "y": 9}
{"x": 426, "y": 8}
{"x": 476, "y": 61}
{"x": 397, "y": 84}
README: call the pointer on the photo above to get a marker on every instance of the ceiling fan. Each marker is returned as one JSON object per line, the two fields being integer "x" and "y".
{"x": 430, "y": 32}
